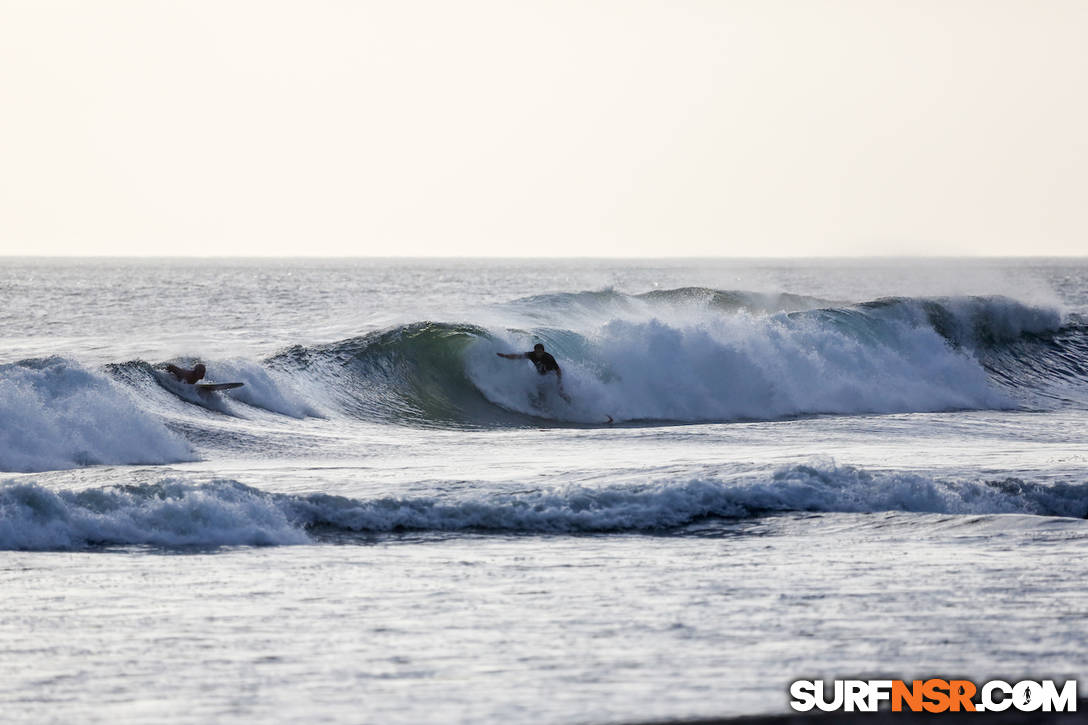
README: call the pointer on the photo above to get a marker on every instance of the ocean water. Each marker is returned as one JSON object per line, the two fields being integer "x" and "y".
{"x": 767, "y": 471}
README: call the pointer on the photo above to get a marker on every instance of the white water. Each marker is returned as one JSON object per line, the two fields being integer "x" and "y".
{"x": 175, "y": 513}
{"x": 746, "y": 367}
{"x": 57, "y": 414}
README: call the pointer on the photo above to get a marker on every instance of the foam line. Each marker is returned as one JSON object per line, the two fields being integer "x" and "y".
{"x": 179, "y": 513}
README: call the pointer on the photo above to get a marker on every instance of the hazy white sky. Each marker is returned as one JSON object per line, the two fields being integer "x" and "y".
{"x": 625, "y": 128}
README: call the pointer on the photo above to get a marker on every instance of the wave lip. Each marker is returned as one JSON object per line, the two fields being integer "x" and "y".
{"x": 978, "y": 321}
{"x": 57, "y": 415}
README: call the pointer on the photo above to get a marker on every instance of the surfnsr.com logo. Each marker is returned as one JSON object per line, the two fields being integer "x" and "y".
{"x": 933, "y": 695}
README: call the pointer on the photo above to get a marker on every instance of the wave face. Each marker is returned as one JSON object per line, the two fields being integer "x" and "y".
{"x": 57, "y": 414}
{"x": 417, "y": 373}
{"x": 699, "y": 355}
{"x": 176, "y": 513}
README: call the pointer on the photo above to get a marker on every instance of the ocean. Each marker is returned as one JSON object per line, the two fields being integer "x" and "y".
{"x": 768, "y": 470}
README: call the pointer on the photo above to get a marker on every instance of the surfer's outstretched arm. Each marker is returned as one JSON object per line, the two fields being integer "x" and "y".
{"x": 512, "y": 355}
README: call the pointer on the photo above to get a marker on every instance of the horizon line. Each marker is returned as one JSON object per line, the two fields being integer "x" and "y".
{"x": 5, "y": 255}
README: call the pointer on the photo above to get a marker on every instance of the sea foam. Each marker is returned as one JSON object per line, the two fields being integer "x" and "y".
{"x": 56, "y": 414}
{"x": 169, "y": 513}
{"x": 180, "y": 513}
{"x": 743, "y": 366}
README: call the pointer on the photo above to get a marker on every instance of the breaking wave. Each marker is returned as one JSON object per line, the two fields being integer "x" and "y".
{"x": 56, "y": 414}
{"x": 176, "y": 513}
{"x": 677, "y": 356}
{"x": 701, "y": 355}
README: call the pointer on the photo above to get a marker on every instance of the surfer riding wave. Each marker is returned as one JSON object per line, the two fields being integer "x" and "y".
{"x": 544, "y": 363}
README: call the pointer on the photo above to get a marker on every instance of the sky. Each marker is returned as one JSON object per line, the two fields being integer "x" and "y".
{"x": 747, "y": 128}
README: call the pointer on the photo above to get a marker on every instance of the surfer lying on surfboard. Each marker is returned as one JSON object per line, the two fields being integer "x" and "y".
{"x": 187, "y": 376}
{"x": 193, "y": 377}
{"x": 544, "y": 362}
